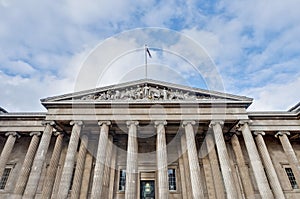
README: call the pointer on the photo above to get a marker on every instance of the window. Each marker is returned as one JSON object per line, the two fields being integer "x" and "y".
{"x": 292, "y": 178}
{"x": 122, "y": 180}
{"x": 172, "y": 179}
{"x": 4, "y": 178}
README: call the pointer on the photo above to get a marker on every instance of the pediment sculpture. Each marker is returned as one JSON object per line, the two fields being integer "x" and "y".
{"x": 145, "y": 92}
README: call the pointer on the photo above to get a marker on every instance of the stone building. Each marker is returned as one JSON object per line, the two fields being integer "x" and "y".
{"x": 149, "y": 139}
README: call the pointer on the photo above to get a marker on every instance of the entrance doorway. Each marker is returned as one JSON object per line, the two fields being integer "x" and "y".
{"x": 147, "y": 189}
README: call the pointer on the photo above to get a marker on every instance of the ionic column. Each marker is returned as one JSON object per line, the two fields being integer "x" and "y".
{"x": 290, "y": 153}
{"x": 25, "y": 170}
{"x": 256, "y": 164}
{"x": 9, "y": 145}
{"x": 224, "y": 160}
{"x": 132, "y": 161}
{"x": 38, "y": 162}
{"x": 214, "y": 164}
{"x": 86, "y": 176}
{"x": 193, "y": 160}
{"x": 67, "y": 172}
{"x": 243, "y": 169}
{"x": 79, "y": 167}
{"x": 51, "y": 171}
{"x": 269, "y": 167}
{"x": 100, "y": 160}
{"x": 186, "y": 167}
{"x": 107, "y": 168}
{"x": 162, "y": 160}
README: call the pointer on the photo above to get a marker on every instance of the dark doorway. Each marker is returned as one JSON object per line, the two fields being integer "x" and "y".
{"x": 147, "y": 189}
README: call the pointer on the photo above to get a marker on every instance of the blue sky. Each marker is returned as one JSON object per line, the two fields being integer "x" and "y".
{"x": 254, "y": 44}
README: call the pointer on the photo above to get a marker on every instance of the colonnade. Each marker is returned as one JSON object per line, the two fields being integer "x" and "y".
{"x": 263, "y": 169}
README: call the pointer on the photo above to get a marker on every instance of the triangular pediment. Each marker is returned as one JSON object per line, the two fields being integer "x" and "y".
{"x": 146, "y": 90}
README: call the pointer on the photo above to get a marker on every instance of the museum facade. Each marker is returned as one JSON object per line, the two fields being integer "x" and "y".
{"x": 149, "y": 139}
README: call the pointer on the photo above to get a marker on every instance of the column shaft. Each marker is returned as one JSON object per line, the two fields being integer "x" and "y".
{"x": 79, "y": 168}
{"x": 67, "y": 172}
{"x": 186, "y": 167}
{"x": 132, "y": 161}
{"x": 224, "y": 161}
{"x": 197, "y": 188}
{"x": 243, "y": 169}
{"x": 25, "y": 170}
{"x": 51, "y": 171}
{"x": 9, "y": 145}
{"x": 256, "y": 164}
{"x": 59, "y": 171}
{"x": 214, "y": 163}
{"x": 270, "y": 170}
{"x": 86, "y": 176}
{"x": 107, "y": 168}
{"x": 38, "y": 162}
{"x": 100, "y": 161}
{"x": 162, "y": 160}
{"x": 290, "y": 153}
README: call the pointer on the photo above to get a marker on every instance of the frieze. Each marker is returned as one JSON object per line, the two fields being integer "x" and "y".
{"x": 144, "y": 92}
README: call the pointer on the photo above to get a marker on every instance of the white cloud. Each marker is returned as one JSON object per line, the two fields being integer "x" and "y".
{"x": 254, "y": 43}
{"x": 275, "y": 96}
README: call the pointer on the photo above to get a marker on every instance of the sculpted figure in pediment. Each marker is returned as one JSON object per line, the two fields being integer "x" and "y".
{"x": 154, "y": 93}
{"x": 145, "y": 92}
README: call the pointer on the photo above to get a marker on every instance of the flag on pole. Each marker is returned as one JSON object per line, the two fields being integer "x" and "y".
{"x": 148, "y": 51}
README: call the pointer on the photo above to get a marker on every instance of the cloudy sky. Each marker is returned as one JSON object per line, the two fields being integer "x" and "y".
{"x": 254, "y": 46}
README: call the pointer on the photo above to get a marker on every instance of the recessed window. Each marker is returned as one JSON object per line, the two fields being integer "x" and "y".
{"x": 122, "y": 180}
{"x": 292, "y": 178}
{"x": 4, "y": 178}
{"x": 172, "y": 179}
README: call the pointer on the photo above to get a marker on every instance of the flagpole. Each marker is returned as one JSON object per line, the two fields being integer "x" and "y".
{"x": 146, "y": 61}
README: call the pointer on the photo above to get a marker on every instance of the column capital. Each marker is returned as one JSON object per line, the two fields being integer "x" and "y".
{"x": 57, "y": 133}
{"x": 13, "y": 133}
{"x": 242, "y": 123}
{"x": 214, "y": 122}
{"x": 237, "y": 133}
{"x": 129, "y": 123}
{"x": 37, "y": 133}
{"x": 160, "y": 122}
{"x": 186, "y": 122}
{"x": 50, "y": 122}
{"x": 108, "y": 123}
{"x": 259, "y": 133}
{"x": 281, "y": 133}
{"x": 78, "y": 122}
